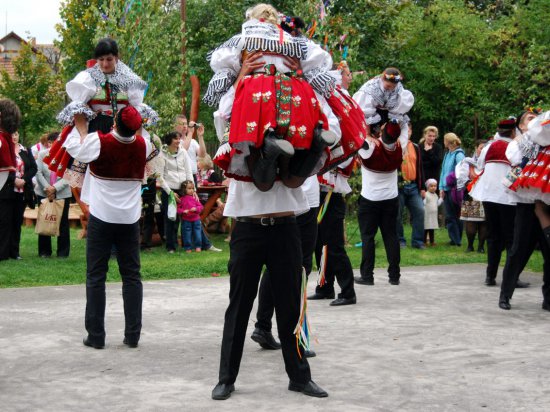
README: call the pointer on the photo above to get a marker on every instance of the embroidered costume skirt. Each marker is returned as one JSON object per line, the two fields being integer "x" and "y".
{"x": 352, "y": 125}
{"x": 533, "y": 180}
{"x": 270, "y": 99}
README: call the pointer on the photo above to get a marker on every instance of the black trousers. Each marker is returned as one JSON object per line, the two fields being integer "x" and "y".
{"x": 101, "y": 237}
{"x": 7, "y": 211}
{"x": 17, "y": 221}
{"x": 371, "y": 216}
{"x": 64, "y": 238}
{"x": 278, "y": 248}
{"x": 331, "y": 234}
{"x": 500, "y": 233}
{"x": 307, "y": 224}
{"x": 527, "y": 232}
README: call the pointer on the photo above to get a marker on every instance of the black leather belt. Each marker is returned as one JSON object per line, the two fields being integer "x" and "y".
{"x": 267, "y": 221}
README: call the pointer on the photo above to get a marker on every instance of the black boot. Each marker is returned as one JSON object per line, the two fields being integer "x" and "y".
{"x": 264, "y": 171}
{"x": 303, "y": 166}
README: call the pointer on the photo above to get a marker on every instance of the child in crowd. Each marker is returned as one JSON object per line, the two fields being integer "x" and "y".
{"x": 431, "y": 204}
{"x": 205, "y": 169}
{"x": 189, "y": 209}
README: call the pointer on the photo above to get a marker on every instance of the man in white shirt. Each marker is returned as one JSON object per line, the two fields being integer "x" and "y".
{"x": 379, "y": 202}
{"x": 499, "y": 203}
{"x": 193, "y": 147}
{"x": 265, "y": 233}
{"x": 112, "y": 188}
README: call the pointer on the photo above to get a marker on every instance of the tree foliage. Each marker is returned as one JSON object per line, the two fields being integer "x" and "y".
{"x": 77, "y": 31}
{"x": 468, "y": 62}
{"x": 36, "y": 90}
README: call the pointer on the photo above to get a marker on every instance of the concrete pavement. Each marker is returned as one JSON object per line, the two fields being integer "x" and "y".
{"x": 437, "y": 342}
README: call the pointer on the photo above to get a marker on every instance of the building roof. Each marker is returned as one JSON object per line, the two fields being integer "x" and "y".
{"x": 7, "y": 55}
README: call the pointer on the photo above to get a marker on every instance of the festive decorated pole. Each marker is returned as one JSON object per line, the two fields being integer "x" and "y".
{"x": 183, "y": 12}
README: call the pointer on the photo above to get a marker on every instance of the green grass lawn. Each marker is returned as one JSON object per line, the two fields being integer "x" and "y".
{"x": 157, "y": 264}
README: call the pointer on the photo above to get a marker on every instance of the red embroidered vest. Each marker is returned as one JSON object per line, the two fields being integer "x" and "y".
{"x": 7, "y": 153}
{"x": 497, "y": 152}
{"x": 118, "y": 160}
{"x": 384, "y": 160}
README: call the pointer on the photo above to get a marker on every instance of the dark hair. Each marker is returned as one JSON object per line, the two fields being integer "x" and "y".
{"x": 168, "y": 137}
{"x": 506, "y": 133}
{"x": 294, "y": 25}
{"x": 104, "y": 47}
{"x": 10, "y": 116}
{"x": 183, "y": 187}
{"x": 52, "y": 136}
{"x": 393, "y": 75}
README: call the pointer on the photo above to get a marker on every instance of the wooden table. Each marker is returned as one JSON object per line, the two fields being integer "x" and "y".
{"x": 214, "y": 193}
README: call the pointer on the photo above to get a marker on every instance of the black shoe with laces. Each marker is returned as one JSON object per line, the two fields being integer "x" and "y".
{"x": 96, "y": 345}
{"x": 364, "y": 281}
{"x": 320, "y": 296}
{"x": 309, "y": 389}
{"x": 265, "y": 339}
{"x": 504, "y": 302}
{"x": 222, "y": 391}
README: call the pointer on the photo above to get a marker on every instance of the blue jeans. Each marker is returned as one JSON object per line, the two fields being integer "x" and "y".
{"x": 191, "y": 233}
{"x": 409, "y": 196}
{"x": 452, "y": 219}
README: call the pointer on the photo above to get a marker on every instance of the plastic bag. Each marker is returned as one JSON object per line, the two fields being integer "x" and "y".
{"x": 172, "y": 207}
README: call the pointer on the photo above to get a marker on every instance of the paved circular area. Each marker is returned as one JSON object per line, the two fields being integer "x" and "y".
{"x": 437, "y": 342}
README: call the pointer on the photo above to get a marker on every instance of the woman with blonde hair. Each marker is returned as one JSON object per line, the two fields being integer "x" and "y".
{"x": 431, "y": 153}
{"x": 264, "y": 11}
{"x": 454, "y": 156}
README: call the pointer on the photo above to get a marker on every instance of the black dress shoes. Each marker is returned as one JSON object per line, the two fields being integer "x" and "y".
{"x": 364, "y": 281}
{"x": 309, "y": 389}
{"x": 130, "y": 343}
{"x": 319, "y": 296}
{"x": 546, "y": 306}
{"x": 393, "y": 282}
{"x": 265, "y": 339}
{"x": 504, "y": 302}
{"x": 344, "y": 301}
{"x": 490, "y": 281}
{"x": 91, "y": 344}
{"x": 222, "y": 391}
{"x": 521, "y": 284}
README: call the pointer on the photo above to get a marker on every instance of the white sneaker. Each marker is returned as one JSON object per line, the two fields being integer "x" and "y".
{"x": 213, "y": 249}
